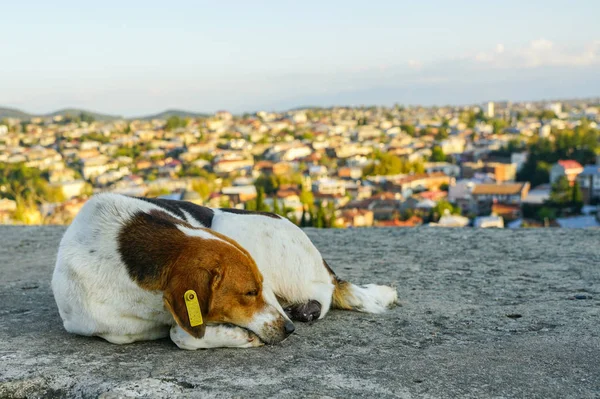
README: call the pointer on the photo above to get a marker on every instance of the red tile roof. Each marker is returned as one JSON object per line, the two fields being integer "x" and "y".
{"x": 570, "y": 164}
{"x": 412, "y": 222}
{"x": 433, "y": 195}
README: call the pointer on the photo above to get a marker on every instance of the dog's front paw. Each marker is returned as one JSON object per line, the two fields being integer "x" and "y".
{"x": 216, "y": 337}
{"x": 239, "y": 337}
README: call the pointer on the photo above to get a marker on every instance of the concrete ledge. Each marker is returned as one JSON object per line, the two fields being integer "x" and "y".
{"x": 451, "y": 337}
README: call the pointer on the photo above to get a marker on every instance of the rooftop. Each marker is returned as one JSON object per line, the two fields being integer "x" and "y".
{"x": 570, "y": 164}
{"x": 484, "y": 313}
{"x": 498, "y": 189}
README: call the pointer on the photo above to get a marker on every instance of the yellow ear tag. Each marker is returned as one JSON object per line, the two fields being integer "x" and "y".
{"x": 193, "y": 308}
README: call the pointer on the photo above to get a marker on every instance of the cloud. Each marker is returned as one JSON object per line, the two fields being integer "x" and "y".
{"x": 414, "y": 64}
{"x": 541, "y": 45}
{"x": 539, "y": 53}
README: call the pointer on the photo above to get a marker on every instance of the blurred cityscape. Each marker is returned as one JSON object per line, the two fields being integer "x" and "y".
{"x": 497, "y": 164}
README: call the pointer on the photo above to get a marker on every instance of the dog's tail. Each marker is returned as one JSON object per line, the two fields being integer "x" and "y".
{"x": 369, "y": 298}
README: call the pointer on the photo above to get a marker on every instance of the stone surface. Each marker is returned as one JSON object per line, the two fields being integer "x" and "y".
{"x": 451, "y": 336}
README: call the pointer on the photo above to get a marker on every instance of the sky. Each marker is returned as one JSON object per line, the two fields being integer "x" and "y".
{"x": 140, "y": 57}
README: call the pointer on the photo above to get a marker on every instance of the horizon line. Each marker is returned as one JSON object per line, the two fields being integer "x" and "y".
{"x": 297, "y": 108}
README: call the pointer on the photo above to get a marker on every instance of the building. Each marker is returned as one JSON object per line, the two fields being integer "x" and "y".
{"x": 231, "y": 165}
{"x": 329, "y": 187}
{"x": 506, "y": 193}
{"x": 589, "y": 182}
{"x": 518, "y": 158}
{"x": 479, "y": 199}
{"x": 71, "y": 189}
{"x": 240, "y": 194}
{"x": 385, "y": 206}
{"x": 535, "y": 200}
{"x": 490, "y": 109}
{"x": 500, "y": 172}
{"x": 567, "y": 168}
{"x": 453, "y": 145}
{"x": 355, "y": 218}
{"x": 443, "y": 167}
{"x": 407, "y": 185}
{"x": 492, "y": 221}
{"x": 347, "y": 172}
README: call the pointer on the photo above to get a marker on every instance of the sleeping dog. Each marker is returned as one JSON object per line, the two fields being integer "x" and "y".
{"x": 131, "y": 269}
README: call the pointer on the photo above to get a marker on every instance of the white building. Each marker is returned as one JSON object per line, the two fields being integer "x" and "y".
{"x": 492, "y": 221}
{"x": 71, "y": 189}
{"x": 453, "y": 145}
{"x": 490, "y": 109}
{"x": 519, "y": 159}
{"x": 329, "y": 186}
{"x": 444, "y": 167}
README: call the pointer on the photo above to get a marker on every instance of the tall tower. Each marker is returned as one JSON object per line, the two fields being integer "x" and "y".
{"x": 490, "y": 109}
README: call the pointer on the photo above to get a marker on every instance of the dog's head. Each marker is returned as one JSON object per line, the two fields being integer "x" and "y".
{"x": 206, "y": 278}
{"x": 228, "y": 288}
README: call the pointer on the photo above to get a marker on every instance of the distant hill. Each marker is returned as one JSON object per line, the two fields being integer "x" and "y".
{"x": 174, "y": 112}
{"x": 77, "y": 111}
{"x": 15, "y": 113}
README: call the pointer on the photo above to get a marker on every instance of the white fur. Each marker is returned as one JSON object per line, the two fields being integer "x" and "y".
{"x": 372, "y": 298}
{"x": 215, "y": 337}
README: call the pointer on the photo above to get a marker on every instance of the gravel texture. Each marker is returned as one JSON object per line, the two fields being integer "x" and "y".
{"x": 484, "y": 313}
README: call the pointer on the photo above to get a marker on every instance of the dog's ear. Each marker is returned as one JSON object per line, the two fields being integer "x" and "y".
{"x": 187, "y": 297}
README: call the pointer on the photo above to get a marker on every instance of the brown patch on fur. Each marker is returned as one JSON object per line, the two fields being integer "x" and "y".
{"x": 159, "y": 256}
{"x": 342, "y": 295}
{"x": 341, "y": 290}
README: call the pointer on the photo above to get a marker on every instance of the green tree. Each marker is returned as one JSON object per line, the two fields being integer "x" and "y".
{"x": 320, "y": 221}
{"x": 390, "y": 164}
{"x": 175, "y": 122}
{"x": 441, "y": 207}
{"x": 437, "y": 154}
{"x": 498, "y": 125}
{"x": 260, "y": 204}
{"x": 561, "y": 193}
{"x": 203, "y": 188}
{"x": 442, "y": 133}
{"x": 54, "y": 194}
{"x": 276, "y": 208}
{"x": 307, "y": 198}
{"x": 330, "y": 218}
{"x": 547, "y": 114}
{"x": 86, "y": 117}
{"x": 20, "y": 181}
{"x": 87, "y": 190}
{"x": 269, "y": 184}
{"x": 576, "y": 198}
{"x": 304, "y": 220}
{"x": 546, "y": 213}
{"x": 416, "y": 167}
{"x": 409, "y": 129}
{"x": 386, "y": 164}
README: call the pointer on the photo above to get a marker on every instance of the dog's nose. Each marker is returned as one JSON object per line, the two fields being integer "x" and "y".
{"x": 289, "y": 327}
